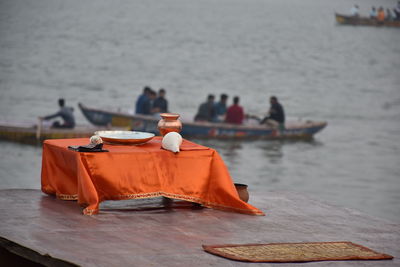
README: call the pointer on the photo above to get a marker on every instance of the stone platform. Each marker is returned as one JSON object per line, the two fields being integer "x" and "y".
{"x": 145, "y": 233}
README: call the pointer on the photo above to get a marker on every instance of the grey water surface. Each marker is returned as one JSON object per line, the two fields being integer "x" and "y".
{"x": 102, "y": 53}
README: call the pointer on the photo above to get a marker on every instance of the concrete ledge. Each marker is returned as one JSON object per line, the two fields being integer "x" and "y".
{"x": 144, "y": 233}
{"x": 13, "y": 254}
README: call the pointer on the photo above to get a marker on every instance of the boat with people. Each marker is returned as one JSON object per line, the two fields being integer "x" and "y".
{"x": 32, "y": 133}
{"x": 364, "y": 21}
{"x": 148, "y": 123}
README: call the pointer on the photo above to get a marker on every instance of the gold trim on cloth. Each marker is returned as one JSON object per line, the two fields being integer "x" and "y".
{"x": 88, "y": 211}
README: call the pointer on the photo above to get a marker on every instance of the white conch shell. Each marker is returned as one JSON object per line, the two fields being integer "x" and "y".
{"x": 95, "y": 139}
{"x": 172, "y": 141}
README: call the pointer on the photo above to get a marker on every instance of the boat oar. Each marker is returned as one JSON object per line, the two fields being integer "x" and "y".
{"x": 254, "y": 117}
{"x": 38, "y": 128}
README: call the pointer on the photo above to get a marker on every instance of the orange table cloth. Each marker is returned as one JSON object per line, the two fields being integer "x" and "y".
{"x": 196, "y": 174}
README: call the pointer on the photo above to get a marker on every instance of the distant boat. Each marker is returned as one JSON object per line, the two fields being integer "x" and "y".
{"x": 30, "y": 134}
{"x": 364, "y": 21}
{"x": 299, "y": 129}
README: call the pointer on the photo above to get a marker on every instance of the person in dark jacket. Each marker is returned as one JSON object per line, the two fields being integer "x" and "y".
{"x": 66, "y": 113}
{"x": 142, "y": 99}
{"x": 161, "y": 104}
{"x": 148, "y": 105}
{"x": 396, "y": 10}
{"x": 206, "y": 110}
{"x": 276, "y": 114}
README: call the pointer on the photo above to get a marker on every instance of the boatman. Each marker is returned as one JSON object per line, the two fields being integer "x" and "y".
{"x": 66, "y": 113}
{"x": 276, "y": 115}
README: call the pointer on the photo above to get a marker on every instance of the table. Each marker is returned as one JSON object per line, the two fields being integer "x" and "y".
{"x": 196, "y": 174}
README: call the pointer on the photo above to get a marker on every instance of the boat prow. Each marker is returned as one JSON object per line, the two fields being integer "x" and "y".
{"x": 29, "y": 133}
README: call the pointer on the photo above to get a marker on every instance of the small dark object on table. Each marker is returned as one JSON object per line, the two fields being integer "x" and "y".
{"x": 88, "y": 148}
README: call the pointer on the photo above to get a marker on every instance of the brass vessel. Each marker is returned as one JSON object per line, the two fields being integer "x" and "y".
{"x": 169, "y": 123}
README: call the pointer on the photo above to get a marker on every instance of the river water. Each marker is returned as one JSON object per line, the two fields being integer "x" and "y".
{"x": 102, "y": 53}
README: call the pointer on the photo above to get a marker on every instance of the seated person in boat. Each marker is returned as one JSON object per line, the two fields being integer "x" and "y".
{"x": 235, "y": 113}
{"x": 206, "y": 110}
{"x": 141, "y": 99}
{"x": 66, "y": 113}
{"x": 148, "y": 104}
{"x": 220, "y": 108}
{"x": 389, "y": 16}
{"x": 355, "y": 11}
{"x": 396, "y": 11}
{"x": 373, "y": 14}
{"x": 161, "y": 104}
{"x": 381, "y": 14}
{"x": 276, "y": 114}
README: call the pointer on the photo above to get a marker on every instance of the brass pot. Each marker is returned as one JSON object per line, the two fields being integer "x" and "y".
{"x": 169, "y": 123}
{"x": 242, "y": 191}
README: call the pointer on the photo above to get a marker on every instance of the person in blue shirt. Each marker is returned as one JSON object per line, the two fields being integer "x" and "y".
{"x": 66, "y": 113}
{"x": 355, "y": 11}
{"x": 142, "y": 99}
{"x": 220, "y": 108}
{"x": 373, "y": 13}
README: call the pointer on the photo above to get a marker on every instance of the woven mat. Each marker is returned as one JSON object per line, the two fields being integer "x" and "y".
{"x": 296, "y": 252}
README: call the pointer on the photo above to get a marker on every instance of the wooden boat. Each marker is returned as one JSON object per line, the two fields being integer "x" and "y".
{"x": 364, "y": 21}
{"x": 300, "y": 129}
{"x": 29, "y": 133}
